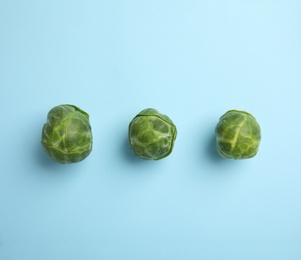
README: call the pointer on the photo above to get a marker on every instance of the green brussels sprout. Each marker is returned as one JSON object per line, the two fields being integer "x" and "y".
{"x": 67, "y": 136}
{"x": 152, "y": 135}
{"x": 237, "y": 135}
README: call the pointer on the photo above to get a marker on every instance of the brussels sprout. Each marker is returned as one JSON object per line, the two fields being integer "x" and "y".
{"x": 67, "y": 136}
{"x": 152, "y": 135}
{"x": 237, "y": 135}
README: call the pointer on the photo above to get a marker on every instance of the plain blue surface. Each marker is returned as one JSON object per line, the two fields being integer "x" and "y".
{"x": 191, "y": 60}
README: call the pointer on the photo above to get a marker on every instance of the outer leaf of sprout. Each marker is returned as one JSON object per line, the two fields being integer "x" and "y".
{"x": 67, "y": 136}
{"x": 238, "y": 135}
{"x": 152, "y": 135}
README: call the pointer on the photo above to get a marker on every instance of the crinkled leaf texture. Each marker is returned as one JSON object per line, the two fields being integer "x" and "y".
{"x": 238, "y": 135}
{"x": 67, "y": 136}
{"x": 152, "y": 135}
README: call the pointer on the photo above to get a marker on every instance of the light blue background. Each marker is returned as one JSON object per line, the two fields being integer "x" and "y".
{"x": 191, "y": 60}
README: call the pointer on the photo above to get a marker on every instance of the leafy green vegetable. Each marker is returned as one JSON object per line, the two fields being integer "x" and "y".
{"x": 67, "y": 136}
{"x": 238, "y": 135}
{"x": 152, "y": 135}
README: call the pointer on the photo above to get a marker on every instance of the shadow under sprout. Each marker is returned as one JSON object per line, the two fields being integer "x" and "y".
{"x": 128, "y": 154}
{"x": 212, "y": 152}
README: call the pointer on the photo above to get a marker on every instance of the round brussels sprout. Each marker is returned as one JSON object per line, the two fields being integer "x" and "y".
{"x": 67, "y": 136}
{"x": 152, "y": 135}
{"x": 237, "y": 135}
